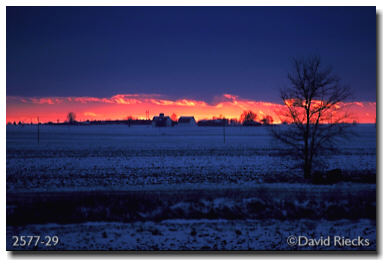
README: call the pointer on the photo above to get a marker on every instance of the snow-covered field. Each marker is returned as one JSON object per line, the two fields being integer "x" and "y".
{"x": 118, "y": 156}
{"x": 145, "y": 188}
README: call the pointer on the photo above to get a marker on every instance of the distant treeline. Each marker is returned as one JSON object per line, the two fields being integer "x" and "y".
{"x": 93, "y": 122}
{"x": 130, "y": 122}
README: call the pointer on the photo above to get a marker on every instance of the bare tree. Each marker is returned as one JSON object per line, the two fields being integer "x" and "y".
{"x": 314, "y": 110}
{"x": 267, "y": 120}
{"x": 174, "y": 117}
{"x": 71, "y": 117}
{"x": 248, "y": 117}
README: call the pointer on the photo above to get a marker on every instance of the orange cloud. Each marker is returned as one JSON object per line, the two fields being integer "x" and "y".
{"x": 88, "y": 114}
{"x": 26, "y": 109}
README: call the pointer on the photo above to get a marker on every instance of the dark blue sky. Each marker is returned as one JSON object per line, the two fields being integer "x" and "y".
{"x": 184, "y": 52}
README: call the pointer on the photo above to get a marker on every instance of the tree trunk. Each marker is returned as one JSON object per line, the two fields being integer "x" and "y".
{"x": 307, "y": 165}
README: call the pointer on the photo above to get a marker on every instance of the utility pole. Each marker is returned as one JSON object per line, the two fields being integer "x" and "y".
{"x": 224, "y": 131}
{"x": 38, "y": 130}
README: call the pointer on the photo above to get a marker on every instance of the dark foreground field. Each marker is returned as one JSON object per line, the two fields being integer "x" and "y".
{"x": 196, "y": 217}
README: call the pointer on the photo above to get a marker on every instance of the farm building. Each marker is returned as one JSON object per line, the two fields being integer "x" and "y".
{"x": 161, "y": 121}
{"x": 187, "y": 121}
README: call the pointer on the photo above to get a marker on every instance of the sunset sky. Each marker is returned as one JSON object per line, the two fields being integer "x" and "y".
{"x": 112, "y": 62}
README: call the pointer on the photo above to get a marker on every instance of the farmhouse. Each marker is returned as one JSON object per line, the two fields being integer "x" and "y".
{"x": 187, "y": 121}
{"x": 161, "y": 121}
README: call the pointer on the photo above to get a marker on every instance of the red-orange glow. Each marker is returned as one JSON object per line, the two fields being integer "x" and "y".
{"x": 27, "y": 109}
